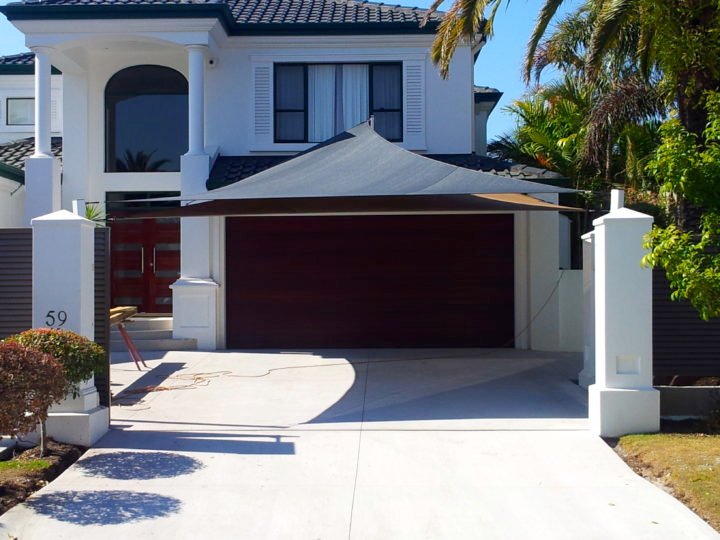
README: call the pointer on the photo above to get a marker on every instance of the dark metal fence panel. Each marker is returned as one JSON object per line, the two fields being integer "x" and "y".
{"x": 102, "y": 307}
{"x": 15, "y": 281}
{"x": 683, "y": 344}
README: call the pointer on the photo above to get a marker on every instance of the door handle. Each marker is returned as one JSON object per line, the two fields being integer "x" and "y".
{"x": 153, "y": 263}
{"x": 142, "y": 259}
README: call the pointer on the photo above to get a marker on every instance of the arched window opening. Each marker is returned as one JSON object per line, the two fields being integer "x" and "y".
{"x": 146, "y": 120}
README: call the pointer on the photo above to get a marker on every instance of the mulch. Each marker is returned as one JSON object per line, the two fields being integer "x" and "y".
{"x": 18, "y": 485}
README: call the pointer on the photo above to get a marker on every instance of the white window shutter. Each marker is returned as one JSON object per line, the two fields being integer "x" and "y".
{"x": 414, "y": 105}
{"x": 262, "y": 105}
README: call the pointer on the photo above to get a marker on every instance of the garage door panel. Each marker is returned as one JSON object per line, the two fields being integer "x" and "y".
{"x": 380, "y": 281}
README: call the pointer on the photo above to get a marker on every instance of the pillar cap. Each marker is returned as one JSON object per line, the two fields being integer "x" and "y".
{"x": 59, "y": 217}
{"x": 623, "y": 214}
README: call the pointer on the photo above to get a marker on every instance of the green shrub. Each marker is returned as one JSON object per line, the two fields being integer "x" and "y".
{"x": 30, "y": 382}
{"x": 79, "y": 356}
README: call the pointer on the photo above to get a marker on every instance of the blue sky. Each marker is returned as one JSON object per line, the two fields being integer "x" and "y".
{"x": 499, "y": 64}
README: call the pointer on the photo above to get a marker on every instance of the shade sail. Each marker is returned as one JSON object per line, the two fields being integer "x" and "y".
{"x": 360, "y": 163}
{"x": 318, "y": 206}
{"x": 359, "y": 172}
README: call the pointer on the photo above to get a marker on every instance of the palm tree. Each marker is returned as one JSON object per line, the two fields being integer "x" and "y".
{"x": 680, "y": 37}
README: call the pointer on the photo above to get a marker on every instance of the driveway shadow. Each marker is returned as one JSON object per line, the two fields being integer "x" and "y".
{"x": 484, "y": 384}
{"x": 107, "y": 507}
{"x": 138, "y": 465}
{"x": 195, "y": 441}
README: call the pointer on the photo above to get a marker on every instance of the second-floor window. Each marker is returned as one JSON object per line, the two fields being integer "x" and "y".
{"x": 20, "y": 112}
{"x": 146, "y": 119}
{"x": 314, "y": 102}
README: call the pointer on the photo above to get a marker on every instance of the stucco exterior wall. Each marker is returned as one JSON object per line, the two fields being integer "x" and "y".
{"x": 23, "y": 86}
{"x": 229, "y": 99}
{"x": 12, "y": 204}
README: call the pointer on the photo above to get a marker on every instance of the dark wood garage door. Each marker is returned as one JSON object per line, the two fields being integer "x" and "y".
{"x": 370, "y": 281}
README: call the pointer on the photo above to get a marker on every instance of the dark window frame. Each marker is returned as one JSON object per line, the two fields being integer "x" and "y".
{"x": 372, "y": 111}
{"x": 7, "y": 110}
{"x": 305, "y": 110}
{"x": 109, "y": 118}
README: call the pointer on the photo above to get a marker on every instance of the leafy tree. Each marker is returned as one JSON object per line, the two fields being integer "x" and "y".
{"x": 691, "y": 168}
{"x": 30, "y": 382}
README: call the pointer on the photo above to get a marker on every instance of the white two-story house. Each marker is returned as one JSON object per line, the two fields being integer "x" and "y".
{"x": 170, "y": 98}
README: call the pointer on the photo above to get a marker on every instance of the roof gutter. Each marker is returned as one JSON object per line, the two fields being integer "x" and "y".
{"x": 12, "y": 173}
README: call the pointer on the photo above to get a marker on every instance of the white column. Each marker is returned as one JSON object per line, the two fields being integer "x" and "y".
{"x": 42, "y": 101}
{"x": 622, "y": 400}
{"x": 195, "y": 293}
{"x": 543, "y": 276}
{"x": 63, "y": 284}
{"x": 42, "y": 170}
{"x": 196, "y": 99}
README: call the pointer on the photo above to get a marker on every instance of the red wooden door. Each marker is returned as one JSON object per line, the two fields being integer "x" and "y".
{"x": 145, "y": 258}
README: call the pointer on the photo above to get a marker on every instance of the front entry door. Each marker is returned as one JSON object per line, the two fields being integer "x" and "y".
{"x": 145, "y": 258}
{"x": 145, "y": 254}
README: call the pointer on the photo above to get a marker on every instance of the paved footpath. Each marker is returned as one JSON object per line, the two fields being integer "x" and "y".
{"x": 371, "y": 445}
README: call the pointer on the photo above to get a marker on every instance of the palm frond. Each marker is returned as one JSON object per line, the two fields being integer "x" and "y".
{"x": 609, "y": 24}
{"x": 543, "y": 21}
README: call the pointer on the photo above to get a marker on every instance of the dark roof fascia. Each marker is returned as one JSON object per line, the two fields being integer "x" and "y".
{"x": 11, "y": 69}
{"x": 30, "y": 12}
{"x": 482, "y": 97}
{"x": 12, "y": 173}
{"x": 221, "y": 12}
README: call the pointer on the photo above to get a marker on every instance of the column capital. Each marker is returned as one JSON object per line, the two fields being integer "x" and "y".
{"x": 42, "y": 49}
{"x": 197, "y": 47}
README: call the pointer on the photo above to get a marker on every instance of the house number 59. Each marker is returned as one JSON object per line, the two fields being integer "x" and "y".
{"x": 55, "y": 318}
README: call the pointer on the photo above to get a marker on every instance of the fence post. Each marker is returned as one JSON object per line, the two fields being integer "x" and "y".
{"x": 622, "y": 400}
{"x": 63, "y": 297}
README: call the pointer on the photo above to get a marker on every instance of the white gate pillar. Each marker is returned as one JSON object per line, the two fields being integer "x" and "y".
{"x": 622, "y": 400}
{"x": 63, "y": 296}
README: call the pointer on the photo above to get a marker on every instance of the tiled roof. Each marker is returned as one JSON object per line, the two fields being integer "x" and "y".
{"x": 276, "y": 11}
{"x": 13, "y": 155}
{"x": 230, "y": 169}
{"x": 321, "y": 11}
{"x": 22, "y": 59}
{"x": 20, "y": 64}
{"x": 499, "y": 167}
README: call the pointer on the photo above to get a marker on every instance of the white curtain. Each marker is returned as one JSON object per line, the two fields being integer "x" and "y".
{"x": 321, "y": 102}
{"x": 355, "y": 93}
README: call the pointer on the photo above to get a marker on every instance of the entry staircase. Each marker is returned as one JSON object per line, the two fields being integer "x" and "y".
{"x": 150, "y": 333}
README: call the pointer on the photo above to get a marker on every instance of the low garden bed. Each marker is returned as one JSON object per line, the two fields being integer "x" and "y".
{"x": 27, "y": 472}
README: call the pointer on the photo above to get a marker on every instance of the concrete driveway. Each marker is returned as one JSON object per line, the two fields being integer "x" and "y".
{"x": 423, "y": 444}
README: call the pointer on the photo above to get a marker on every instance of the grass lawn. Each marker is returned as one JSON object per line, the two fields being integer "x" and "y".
{"x": 686, "y": 463}
{"x": 24, "y": 465}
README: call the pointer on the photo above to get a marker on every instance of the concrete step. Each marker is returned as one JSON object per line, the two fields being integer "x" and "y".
{"x": 184, "y": 344}
{"x": 140, "y": 334}
{"x": 149, "y": 323}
